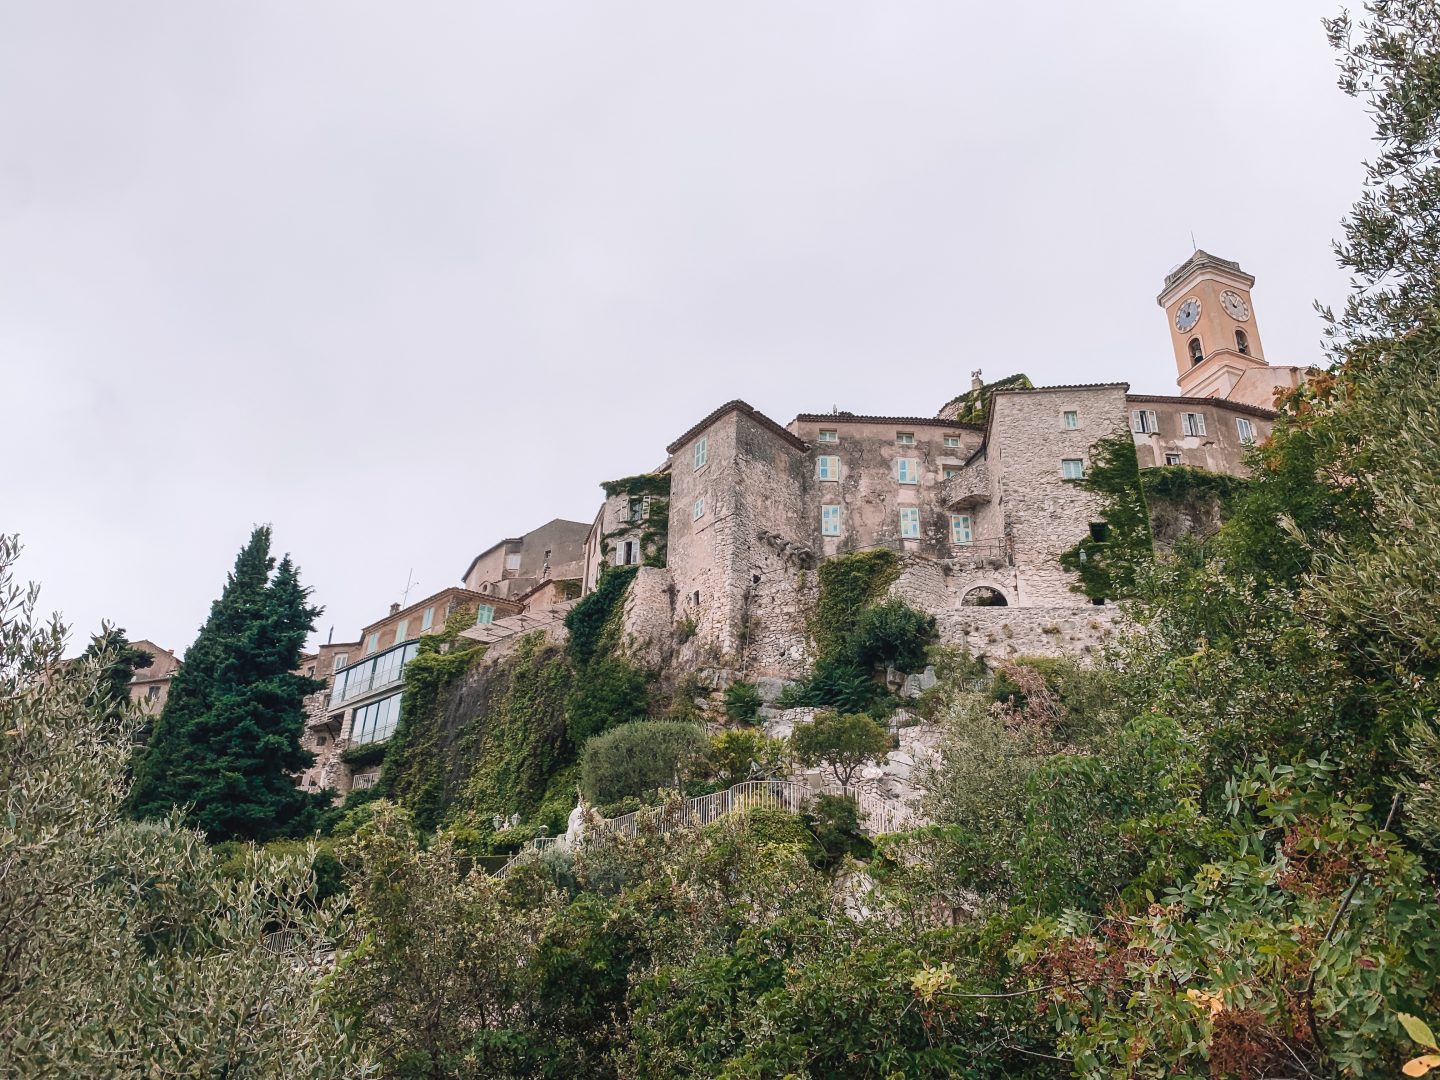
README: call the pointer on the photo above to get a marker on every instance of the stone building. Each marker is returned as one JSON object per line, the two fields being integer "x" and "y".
{"x": 151, "y": 685}
{"x": 980, "y": 512}
{"x": 515, "y": 566}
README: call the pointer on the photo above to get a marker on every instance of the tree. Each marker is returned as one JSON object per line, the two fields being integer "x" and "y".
{"x": 1107, "y": 563}
{"x": 842, "y": 743}
{"x": 122, "y": 661}
{"x": 227, "y": 744}
{"x": 735, "y": 755}
{"x": 126, "y": 951}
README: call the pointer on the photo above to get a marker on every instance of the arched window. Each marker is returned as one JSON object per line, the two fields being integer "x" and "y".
{"x": 1196, "y": 353}
{"x": 984, "y": 596}
{"x": 1242, "y": 343}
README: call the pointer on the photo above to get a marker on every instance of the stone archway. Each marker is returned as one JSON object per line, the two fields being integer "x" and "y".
{"x": 984, "y": 596}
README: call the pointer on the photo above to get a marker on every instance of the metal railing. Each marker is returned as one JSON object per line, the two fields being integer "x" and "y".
{"x": 876, "y": 814}
{"x": 993, "y": 551}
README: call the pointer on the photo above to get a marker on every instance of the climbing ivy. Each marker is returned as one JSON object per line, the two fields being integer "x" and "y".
{"x": 970, "y": 406}
{"x": 848, "y": 584}
{"x": 1185, "y": 484}
{"x": 1107, "y": 560}
{"x": 588, "y": 620}
{"x": 643, "y": 484}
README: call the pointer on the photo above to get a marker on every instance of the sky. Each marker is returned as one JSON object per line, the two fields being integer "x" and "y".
{"x": 403, "y": 279}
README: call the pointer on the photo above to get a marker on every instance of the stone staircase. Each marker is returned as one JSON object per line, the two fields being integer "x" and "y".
{"x": 516, "y": 625}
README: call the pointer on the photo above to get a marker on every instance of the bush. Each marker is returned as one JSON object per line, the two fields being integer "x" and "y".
{"x": 638, "y": 758}
{"x": 893, "y": 634}
{"x": 834, "y": 820}
{"x": 742, "y": 703}
{"x": 733, "y": 753}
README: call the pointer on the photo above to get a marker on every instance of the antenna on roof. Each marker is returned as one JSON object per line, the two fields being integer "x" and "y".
{"x": 330, "y": 637}
{"x": 410, "y": 583}
{"x": 1193, "y": 246}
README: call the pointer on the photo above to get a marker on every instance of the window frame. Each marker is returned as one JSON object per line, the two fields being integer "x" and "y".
{"x": 372, "y": 643}
{"x": 1065, "y": 464}
{"x": 481, "y": 609}
{"x": 949, "y": 472}
{"x": 909, "y": 518}
{"x": 697, "y": 510}
{"x": 1173, "y": 459}
{"x": 701, "y": 453}
{"x": 830, "y": 516}
{"x": 1148, "y": 419}
{"x": 952, "y": 441}
{"x": 1067, "y": 415}
{"x": 427, "y": 618}
{"x": 1192, "y": 425}
{"x": 825, "y": 465}
{"x": 956, "y": 521}
{"x": 1245, "y": 430}
{"x": 401, "y": 629}
{"x": 907, "y": 471}
{"x": 828, "y": 435}
{"x": 904, "y": 438}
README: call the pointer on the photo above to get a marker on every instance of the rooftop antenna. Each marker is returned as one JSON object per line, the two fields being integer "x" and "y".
{"x": 410, "y": 583}
{"x": 330, "y": 637}
{"x": 1193, "y": 246}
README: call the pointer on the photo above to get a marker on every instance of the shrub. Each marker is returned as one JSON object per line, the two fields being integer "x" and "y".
{"x": 733, "y": 755}
{"x": 742, "y": 702}
{"x": 893, "y": 634}
{"x": 834, "y": 820}
{"x": 637, "y": 758}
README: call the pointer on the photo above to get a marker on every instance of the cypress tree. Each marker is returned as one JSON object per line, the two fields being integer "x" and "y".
{"x": 228, "y": 741}
{"x": 111, "y": 693}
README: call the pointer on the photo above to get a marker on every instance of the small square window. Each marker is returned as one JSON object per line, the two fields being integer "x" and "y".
{"x": 699, "y": 510}
{"x": 952, "y": 440}
{"x": 827, "y": 467}
{"x": 960, "y": 529}
{"x": 702, "y": 453}
{"x": 905, "y": 438}
{"x": 1071, "y": 419}
{"x": 1072, "y": 469}
{"x": 829, "y": 435}
{"x": 950, "y": 472}
{"x": 1192, "y": 423}
{"x": 907, "y": 470}
{"x": 910, "y": 522}
{"x": 830, "y": 521}
{"x": 1245, "y": 429}
{"x": 485, "y": 613}
{"x": 1172, "y": 459}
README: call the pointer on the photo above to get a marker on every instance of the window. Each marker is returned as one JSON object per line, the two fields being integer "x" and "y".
{"x": 628, "y": 553}
{"x": 952, "y": 440}
{"x": 905, "y": 438}
{"x": 512, "y": 561}
{"x": 1172, "y": 459}
{"x": 401, "y": 629}
{"x": 950, "y": 471}
{"x": 375, "y": 722}
{"x": 151, "y": 693}
{"x": 910, "y": 522}
{"x": 1072, "y": 469}
{"x": 1242, "y": 343}
{"x": 830, "y": 521}
{"x": 485, "y": 613}
{"x": 1071, "y": 419}
{"x": 827, "y": 468}
{"x": 702, "y": 453}
{"x": 321, "y": 740}
{"x": 372, "y": 643}
{"x": 699, "y": 510}
{"x": 1192, "y": 423}
{"x": 1196, "y": 352}
{"x": 371, "y": 674}
{"x": 1245, "y": 429}
{"x": 960, "y": 529}
{"x": 907, "y": 470}
{"x": 829, "y": 435}
{"x": 1144, "y": 421}
{"x": 341, "y": 659}
{"x": 427, "y": 620}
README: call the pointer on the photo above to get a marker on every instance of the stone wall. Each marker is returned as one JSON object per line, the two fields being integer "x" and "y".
{"x": 1002, "y": 633}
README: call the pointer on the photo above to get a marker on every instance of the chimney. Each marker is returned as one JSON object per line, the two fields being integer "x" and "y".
{"x": 975, "y": 381}
{"x": 394, "y": 609}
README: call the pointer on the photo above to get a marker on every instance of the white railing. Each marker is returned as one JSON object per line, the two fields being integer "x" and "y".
{"x": 876, "y": 814}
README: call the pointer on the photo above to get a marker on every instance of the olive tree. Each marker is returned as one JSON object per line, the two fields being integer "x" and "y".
{"x": 124, "y": 950}
{"x": 841, "y": 743}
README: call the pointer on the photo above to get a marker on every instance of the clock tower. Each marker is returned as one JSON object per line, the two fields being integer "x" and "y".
{"x": 1213, "y": 329}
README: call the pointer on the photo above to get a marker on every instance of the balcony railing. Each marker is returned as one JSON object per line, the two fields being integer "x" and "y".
{"x": 969, "y": 486}
{"x": 990, "y": 553}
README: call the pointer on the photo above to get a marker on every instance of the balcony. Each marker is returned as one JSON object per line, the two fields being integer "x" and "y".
{"x": 987, "y": 554}
{"x": 371, "y": 674}
{"x": 968, "y": 487}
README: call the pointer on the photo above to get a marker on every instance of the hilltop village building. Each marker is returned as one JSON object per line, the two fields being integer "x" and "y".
{"x": 728, "y": 530}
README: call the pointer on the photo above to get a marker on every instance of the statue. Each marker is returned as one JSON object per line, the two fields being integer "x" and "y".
{"x": 575, "y": 828}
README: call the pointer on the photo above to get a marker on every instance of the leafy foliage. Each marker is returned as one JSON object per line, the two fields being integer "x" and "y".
{"x": 589, "y": 619}
{"x": 640, "y": 758}
{"x": 841, "y": 743}
{"x": 1107, "y": 565}
{"x": 742, "y": 702}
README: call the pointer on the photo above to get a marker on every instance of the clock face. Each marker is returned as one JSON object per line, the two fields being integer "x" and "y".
{"x": 1187, "y": 315}
{"x": 1235, "y": 306}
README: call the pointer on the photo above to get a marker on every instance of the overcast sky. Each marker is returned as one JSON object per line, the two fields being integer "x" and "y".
{"x": 403, "y": 279}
